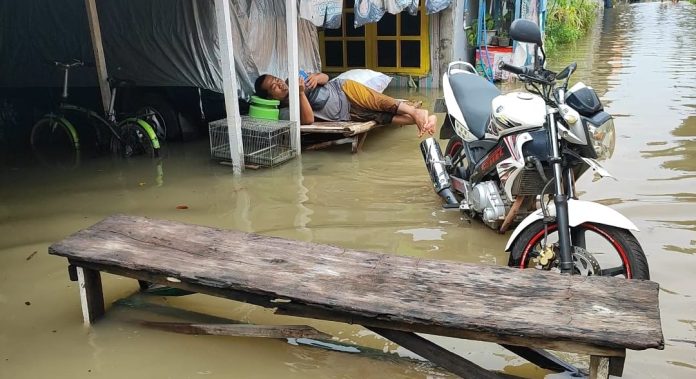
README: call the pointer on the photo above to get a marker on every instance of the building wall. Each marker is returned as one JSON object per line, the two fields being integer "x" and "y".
{"x": 447, "y": 43}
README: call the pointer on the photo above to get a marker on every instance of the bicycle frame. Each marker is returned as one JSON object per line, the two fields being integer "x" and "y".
{"x": 91, "y": 114}
{"x": 107, "y": 120}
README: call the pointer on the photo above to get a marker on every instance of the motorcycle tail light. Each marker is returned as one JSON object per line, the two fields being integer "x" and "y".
{"x": 603, "y": 139}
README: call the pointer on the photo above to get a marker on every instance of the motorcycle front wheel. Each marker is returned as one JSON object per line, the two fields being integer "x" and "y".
{"x": 601, "y": 250}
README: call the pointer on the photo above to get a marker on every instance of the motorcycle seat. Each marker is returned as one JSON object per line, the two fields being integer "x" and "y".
{"x": 474, "y": 95}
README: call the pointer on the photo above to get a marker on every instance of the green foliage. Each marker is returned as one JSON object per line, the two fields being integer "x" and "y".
{"x": 490, "y": 24}
{"x": 471, "y": 33}
{"x": 568, "y": 20}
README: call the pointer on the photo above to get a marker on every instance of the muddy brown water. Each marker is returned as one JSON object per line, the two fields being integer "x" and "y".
{"x": 640, "y": 58}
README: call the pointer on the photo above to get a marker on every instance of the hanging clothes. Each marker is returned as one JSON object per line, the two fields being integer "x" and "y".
{"x": 367, "y": 11}
{"x": 434, "y": 6}
{"x": 322, "y": 13}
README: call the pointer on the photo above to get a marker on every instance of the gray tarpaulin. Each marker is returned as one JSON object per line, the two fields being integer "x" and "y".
{"x": 153, "y": 42}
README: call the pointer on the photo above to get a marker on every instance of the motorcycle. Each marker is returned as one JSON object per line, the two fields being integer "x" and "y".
{"x": 509, "y": 155}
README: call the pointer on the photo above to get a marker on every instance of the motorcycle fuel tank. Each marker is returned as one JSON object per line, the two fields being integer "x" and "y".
{"x": 520, "y": 110}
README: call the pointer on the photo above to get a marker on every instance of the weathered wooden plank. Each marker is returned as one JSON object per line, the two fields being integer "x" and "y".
{"x": 91, "y": 294}
{"x": 239, "y": 330}
{"x": 438, "y": 297}
{"x": 364, "y": 127}
{"x": 442, "y": 357}
{"x": 347, "y": 128}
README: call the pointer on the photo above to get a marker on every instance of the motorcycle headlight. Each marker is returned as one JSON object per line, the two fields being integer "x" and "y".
{"x": 603, "y": 139}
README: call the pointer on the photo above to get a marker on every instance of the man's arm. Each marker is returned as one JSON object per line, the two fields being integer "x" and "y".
{"x": 306, "y": 112}
{"x": 318, "y": 78}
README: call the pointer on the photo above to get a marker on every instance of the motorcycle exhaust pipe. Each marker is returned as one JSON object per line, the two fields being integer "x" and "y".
{"x": 435, "y": 163}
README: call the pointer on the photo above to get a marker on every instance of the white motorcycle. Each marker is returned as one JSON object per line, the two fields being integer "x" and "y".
{"x": 508, "y": 154}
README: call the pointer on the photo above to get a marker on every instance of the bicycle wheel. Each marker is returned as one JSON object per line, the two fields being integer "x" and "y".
{"x": 153, "y": 117}
{"x": 138, "y": 138}
{"x": 55, "y": 140}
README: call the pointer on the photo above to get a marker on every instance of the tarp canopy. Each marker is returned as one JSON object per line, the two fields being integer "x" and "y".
{"x": 152, "y": 42}
{"x": 167, "y": 42}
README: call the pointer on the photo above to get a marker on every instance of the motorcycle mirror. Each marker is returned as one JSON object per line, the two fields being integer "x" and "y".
{"x": 566, "y": 72}
{"x": 525, "y": 31}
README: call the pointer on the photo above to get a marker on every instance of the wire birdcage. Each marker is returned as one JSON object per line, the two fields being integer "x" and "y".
{"x": 266, "y": 143}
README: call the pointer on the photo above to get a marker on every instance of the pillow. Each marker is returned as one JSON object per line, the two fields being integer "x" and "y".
{"x": 372, "y": 79}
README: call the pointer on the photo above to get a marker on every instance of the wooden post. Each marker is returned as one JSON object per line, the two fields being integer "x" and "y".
{"x": 459, "y": 41}
{"x": 435, "y": 46}
{"x": 229, "y": 84}
{"x": 599, "y": 367}
{"x": 91, "y": 294}
{"x": 95, "y": 34}
{"x": 293, "y": 70}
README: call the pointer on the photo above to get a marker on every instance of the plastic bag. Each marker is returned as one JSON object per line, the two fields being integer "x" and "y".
{"x": 372, "y": 79}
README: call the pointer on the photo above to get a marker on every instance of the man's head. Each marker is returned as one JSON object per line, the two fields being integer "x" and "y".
{"x": 270, "y": 87}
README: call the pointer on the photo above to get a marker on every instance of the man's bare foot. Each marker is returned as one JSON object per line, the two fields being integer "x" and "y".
{"x": 421, "y": 118}
{"x": 432, "y": 124}
{"x": 429, "y": 126}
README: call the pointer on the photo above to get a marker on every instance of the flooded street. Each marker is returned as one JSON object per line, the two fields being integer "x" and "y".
{"x": 640, "y": 59}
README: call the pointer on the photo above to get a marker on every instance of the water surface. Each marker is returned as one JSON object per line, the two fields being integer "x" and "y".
{"x": 640, "y": 58}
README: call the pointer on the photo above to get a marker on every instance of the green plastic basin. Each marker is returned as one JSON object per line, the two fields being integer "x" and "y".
{"x": 263, "y": 112}
{"x": 266, "y": 103}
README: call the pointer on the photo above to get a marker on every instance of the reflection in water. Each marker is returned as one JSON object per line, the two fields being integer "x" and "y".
{"x": 424, "y": 234}
{"x": 640, "y": 60}
{"x": 683, "y": 148}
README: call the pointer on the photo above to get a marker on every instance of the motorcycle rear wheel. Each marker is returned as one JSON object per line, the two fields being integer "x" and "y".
{"x": 620, "y": 251}
{"x": 455, "y": 149}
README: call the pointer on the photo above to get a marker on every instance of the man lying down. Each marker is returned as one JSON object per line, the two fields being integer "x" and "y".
{"x": 343, "y": 100}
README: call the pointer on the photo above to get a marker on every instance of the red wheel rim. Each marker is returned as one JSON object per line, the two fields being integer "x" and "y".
{"x": 453, "y": 148}
{"x": 617, "y": 246}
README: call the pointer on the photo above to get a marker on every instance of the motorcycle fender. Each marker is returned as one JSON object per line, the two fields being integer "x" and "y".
{"x": 447, "y": 130}
{"x": 579, "y": 212}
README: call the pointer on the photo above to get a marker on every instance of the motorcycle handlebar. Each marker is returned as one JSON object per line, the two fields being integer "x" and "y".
{"x": 514, "y": 69}
{"x": 69, "y": 65}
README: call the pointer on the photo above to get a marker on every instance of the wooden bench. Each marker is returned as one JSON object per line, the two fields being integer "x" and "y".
{"x": 395, "y": 296}
{"x": 342, "y": 132}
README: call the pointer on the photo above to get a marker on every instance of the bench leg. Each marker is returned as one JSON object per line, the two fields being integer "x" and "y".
{"x": 358, "y": 141}
{"x": 616, "y": 366}
{"x": 599, "y": 367}
{"x": 354, "y": 145}
{"x": 91, "y": 294}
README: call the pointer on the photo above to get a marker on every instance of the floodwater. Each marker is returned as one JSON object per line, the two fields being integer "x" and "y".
{"x": 640, "y": 58}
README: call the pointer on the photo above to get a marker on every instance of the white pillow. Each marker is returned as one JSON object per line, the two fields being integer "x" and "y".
{"x": 372, "y": 79}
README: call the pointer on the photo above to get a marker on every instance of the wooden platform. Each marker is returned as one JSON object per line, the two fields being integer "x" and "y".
{"x": 395, "y": 296}
{"x": 345, "y": 132}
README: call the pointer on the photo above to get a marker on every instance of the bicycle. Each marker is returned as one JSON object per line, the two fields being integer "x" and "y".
{"x": 134, "y": 135}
